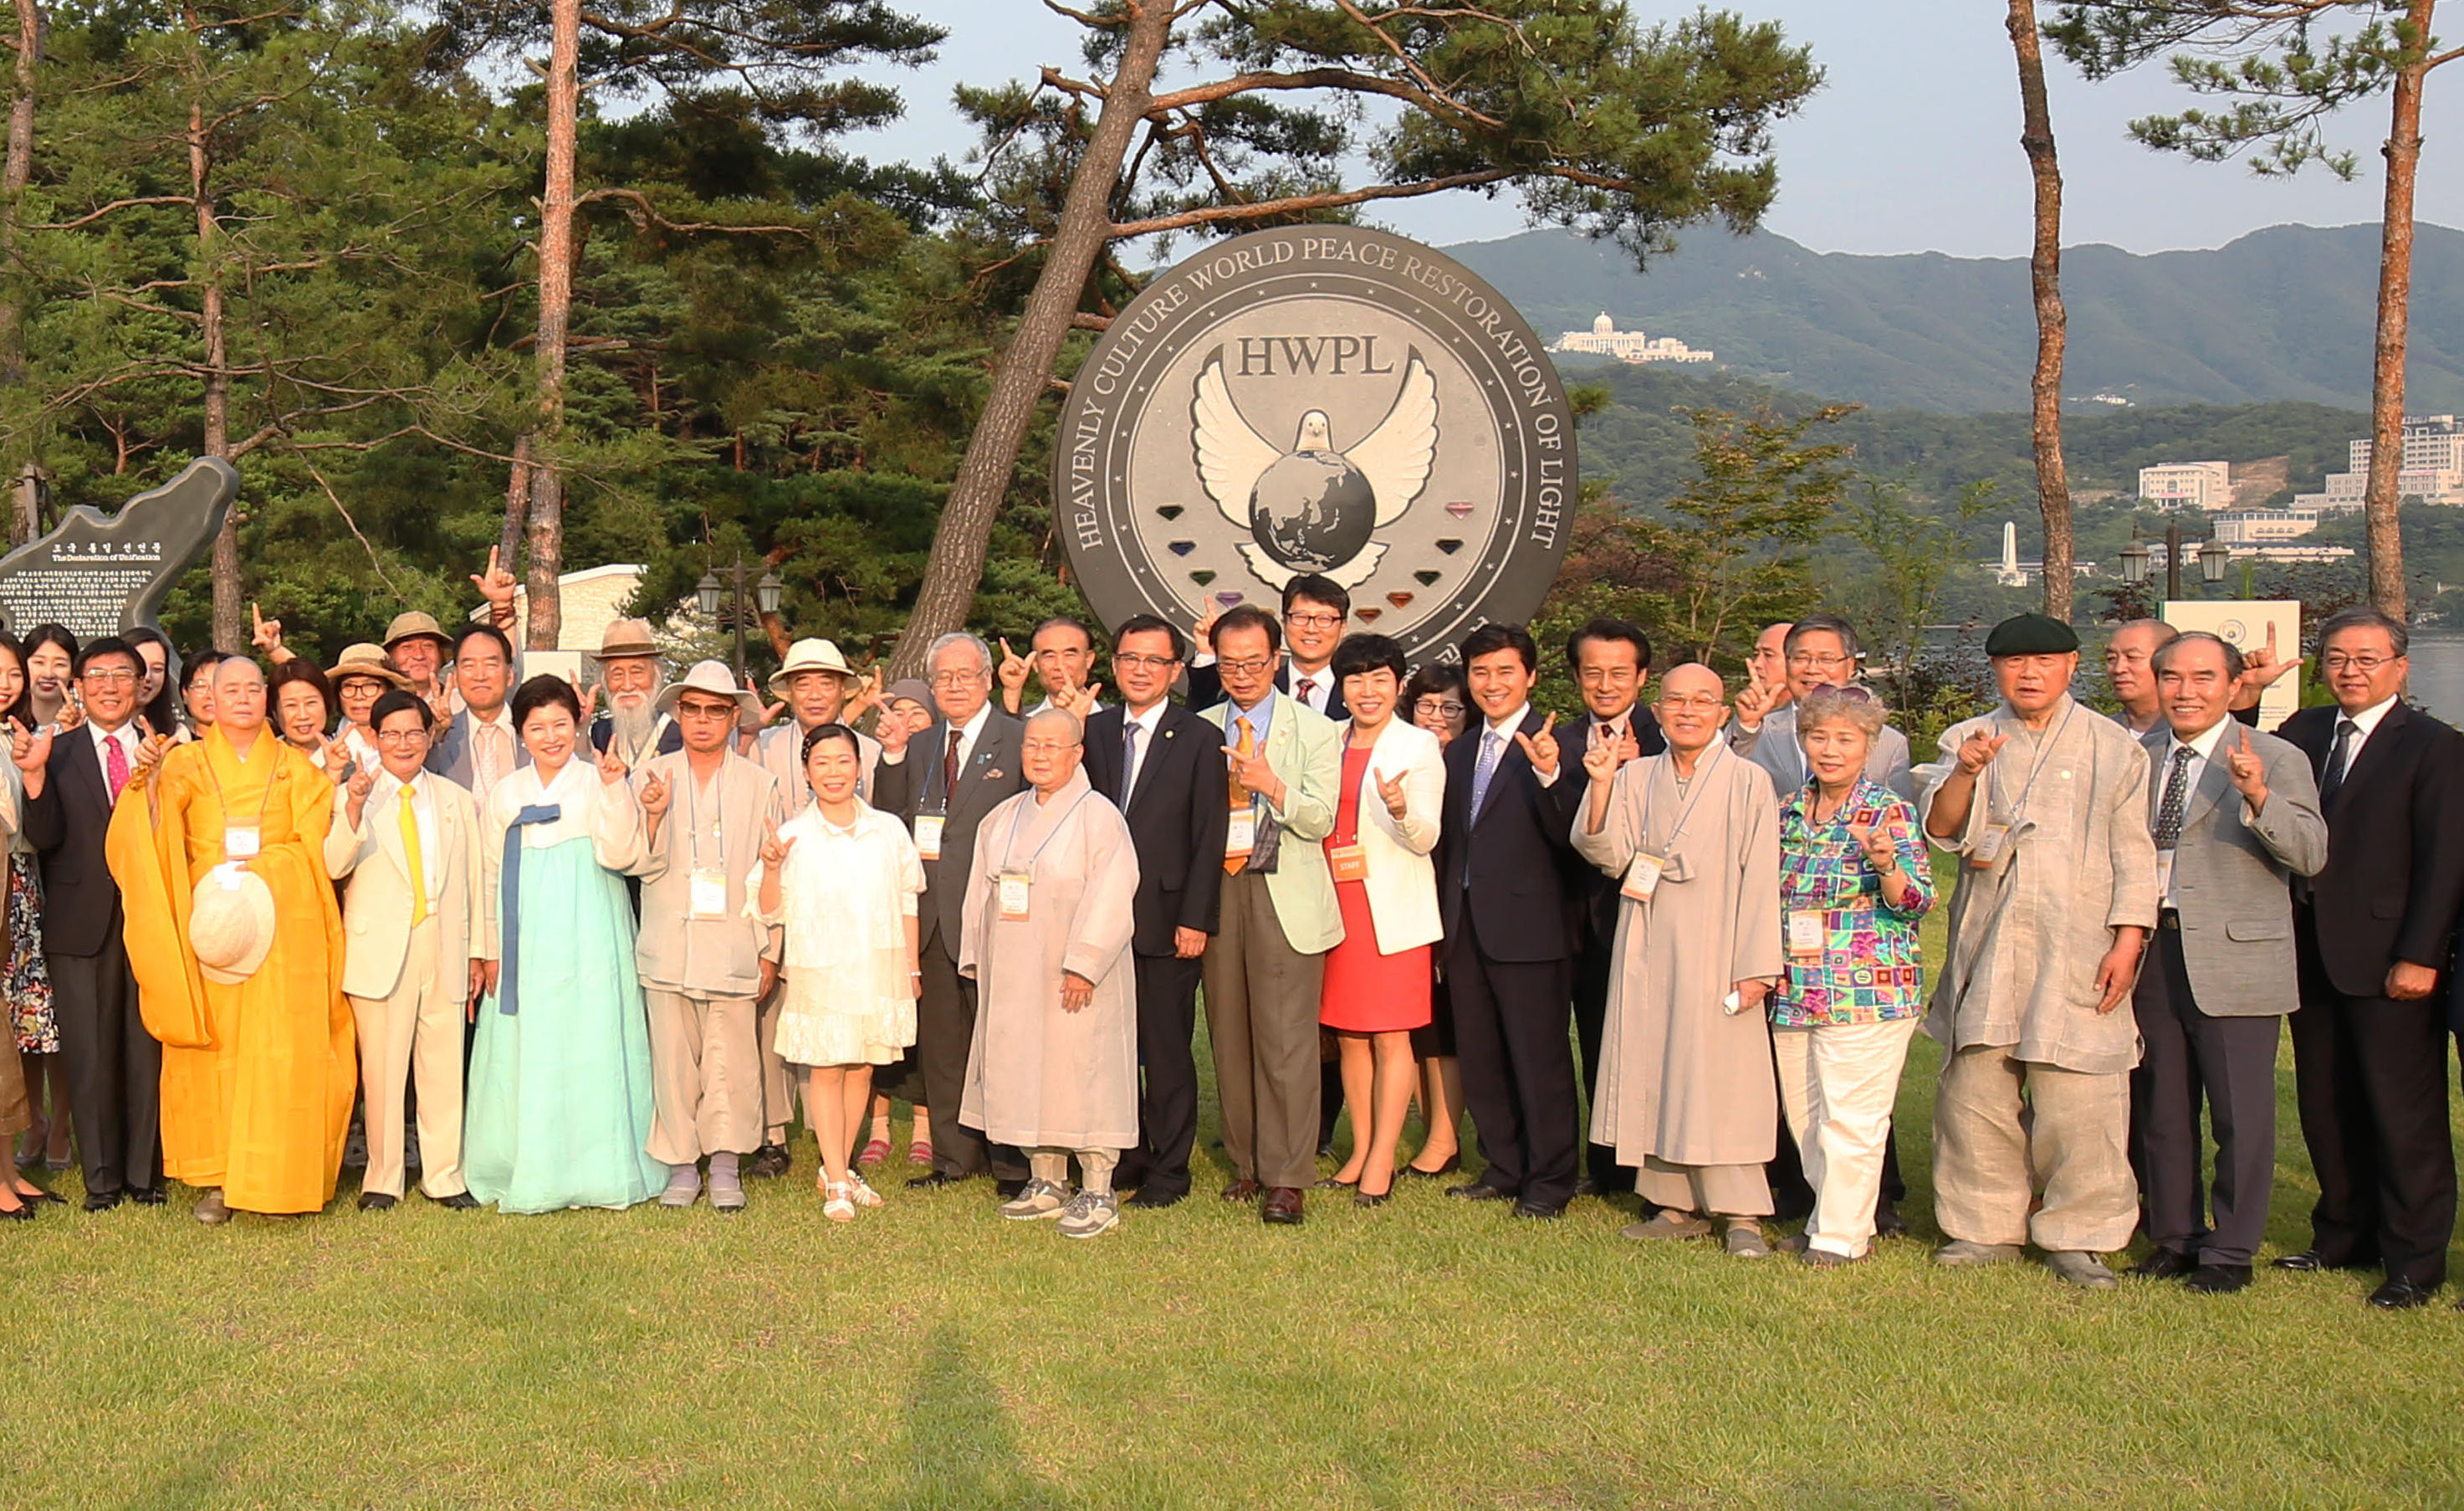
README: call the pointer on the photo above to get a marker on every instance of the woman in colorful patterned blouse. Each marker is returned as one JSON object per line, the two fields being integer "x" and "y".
{"x": 1854, "y": 881}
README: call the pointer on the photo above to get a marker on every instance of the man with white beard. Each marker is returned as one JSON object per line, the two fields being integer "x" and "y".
{"x": 631, "y": 677}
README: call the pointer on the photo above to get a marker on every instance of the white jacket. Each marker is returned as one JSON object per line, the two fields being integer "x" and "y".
{"x": 1402, "y": 882}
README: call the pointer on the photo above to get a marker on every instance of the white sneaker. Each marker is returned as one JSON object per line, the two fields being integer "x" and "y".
{"x": 1039, "y": 1199}
{"x": 1090, "y": 1213}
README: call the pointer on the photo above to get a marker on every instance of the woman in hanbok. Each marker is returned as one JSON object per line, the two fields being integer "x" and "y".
{"x": 841, "y": 877}
{"x": 558, "y": 1104}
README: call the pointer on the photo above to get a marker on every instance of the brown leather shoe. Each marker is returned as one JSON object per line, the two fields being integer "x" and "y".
{"x": 1243, "y": 1190}
{"x": 1283, "y": 1205}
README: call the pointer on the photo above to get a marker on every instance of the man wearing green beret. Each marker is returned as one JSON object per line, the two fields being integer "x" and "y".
{"x": 2046, "y": 805}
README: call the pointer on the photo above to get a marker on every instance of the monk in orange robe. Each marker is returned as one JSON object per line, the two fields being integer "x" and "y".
{"x": 258, "y": 1074}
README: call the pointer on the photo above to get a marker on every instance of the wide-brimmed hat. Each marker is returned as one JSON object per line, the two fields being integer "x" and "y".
{"x": 714, "y": 679}
{"x": 364, "y": 660}
{"x": 623, "y": 638}
{"x": 230, "y": 923}
{"x": 412, "y": 625}
{"x": 811, "y": 655}
{"x": 914, "y": 689}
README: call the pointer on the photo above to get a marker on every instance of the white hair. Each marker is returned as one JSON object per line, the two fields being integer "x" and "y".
{"x": 973, "y": 642}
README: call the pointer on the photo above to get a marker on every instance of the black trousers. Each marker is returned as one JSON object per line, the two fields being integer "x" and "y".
{"x": 1518, "y": 1069}
{"x": 1168, "y": 1097}
{"x": 1591, "y": 971}
{"x": 115, "y": 1070}
{"x": 2371, "y": 1077}
{"x": 2230, "y": 1064}
{"x": 945, "y": 1032}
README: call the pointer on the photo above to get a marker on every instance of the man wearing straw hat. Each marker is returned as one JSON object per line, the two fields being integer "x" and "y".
{"x": 420, "y": 649}
{"x": 633, "y": 725}
{"x": 706, "y": 964}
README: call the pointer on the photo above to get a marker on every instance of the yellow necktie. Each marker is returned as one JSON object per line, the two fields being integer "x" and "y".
{"x": 410, "y": 859}
{"x": 1248, "y": 746}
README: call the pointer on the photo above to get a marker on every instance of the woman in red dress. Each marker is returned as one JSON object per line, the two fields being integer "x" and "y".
{"x": 1376, "y": 988}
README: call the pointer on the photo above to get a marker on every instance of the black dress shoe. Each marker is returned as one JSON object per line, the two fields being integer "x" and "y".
{"x": 1453, "y": 1162}
{"x": 1479, "y": 1192}
{"x": 2402, "y": 1295}
{"x": 2166, "y": 1264}
{"x": 1587, "y": 1187}
{"x": 769, "y": 1161}
{"x": 1010, "y": 1189}
{"x": 1360, "y": 1198}
{"x": 1539, "y": 1210}
{"x": 1156, "y": 1197}
{"x": 142, "y": 1195}
{"x": 1887, "y": 1221}
{"x": 932, "y": 1181}
{"x": 2310, "y": 1261}
{"x": 2218, "y": 1279}
{"x": 100, "y": 1201}
{"x": 459, "y": 1201}
{"x": 376, "y": 1200}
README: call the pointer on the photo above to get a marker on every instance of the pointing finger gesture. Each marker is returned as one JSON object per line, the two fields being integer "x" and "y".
{"x": 2249, "y": 771}
{"x": 655, "y": 794}
{"x": 1601, "y": 759}
{"x": 1014, "y": 668}
{"x": 1391, "y": 788}
{"x": 266, "y": 635}
{"x": 611, "y": 768}
{"x": 1979, "y": 748}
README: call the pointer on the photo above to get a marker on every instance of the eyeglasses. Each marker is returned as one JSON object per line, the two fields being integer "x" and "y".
{"x": 1816, "y": 659}
{"x": 1249, "y": 668}
{"x": 1447, "y": 708}
{"x": 402, "y": 737}
{"x": 110, "y": 676}
{"x": 2338, "y": 661}
{"x": 1153, "y": 664}
{"x": 1313, "y": 621}
{"x": 1701, "y": 700}
{"x": 957, "y": 679}
{"x": 1047, "y": 747}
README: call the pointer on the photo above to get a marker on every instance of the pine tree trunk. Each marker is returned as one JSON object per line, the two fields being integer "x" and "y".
{"x": 230, "y": 634}
{"x": 2052, "y": 323}
{"x": 2403, "y": 149}
{"x": 545, "y": 620}
{"x": 15, "y": 171}
{"x": 1020, "y": 379}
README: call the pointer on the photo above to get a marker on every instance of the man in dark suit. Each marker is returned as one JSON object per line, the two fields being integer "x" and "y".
{"x": 1162, "y": 767}
{"x": 1611, "y": 660}
{"x": 1315, "y": 610}
{"x": 943, "y": 782}
{"x": 1510, "y": 918}
{"x": 2370, "y": 933}
{"x": 480, "y": 747}
{"x": 115, "y": 1066}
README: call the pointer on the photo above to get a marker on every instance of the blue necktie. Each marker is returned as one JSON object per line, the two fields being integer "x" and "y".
{"x": 511, "y": 890}
{"x": 1491, "y": 743}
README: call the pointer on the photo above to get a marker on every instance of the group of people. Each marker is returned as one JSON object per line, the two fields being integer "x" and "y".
{"x": 567, "y": 956}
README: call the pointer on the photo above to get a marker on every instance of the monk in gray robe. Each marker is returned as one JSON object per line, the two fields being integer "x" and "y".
{"x": 2046, "y": 804}
{"x": 1054, "y": 1066}
{"x": 1686, "y": 1089}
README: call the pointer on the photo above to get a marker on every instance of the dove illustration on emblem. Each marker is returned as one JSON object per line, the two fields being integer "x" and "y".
{"x": 1315, "y": 508}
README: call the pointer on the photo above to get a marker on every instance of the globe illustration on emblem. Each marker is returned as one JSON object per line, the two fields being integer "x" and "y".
{"x": 1312, "y": 509}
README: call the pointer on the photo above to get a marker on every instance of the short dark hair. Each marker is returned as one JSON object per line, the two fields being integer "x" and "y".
{"x": 2358, "y": 617}
{"x": 540, "y": 692}
{"x": 2163, "y": 656}
{"x": 1606, "y": 629}
{"x": 829, "y": 731}
{"x": 1821, "y": 624}
{"x": 1362, "y": 654}
{"x": 1317, "y": 590}
{"x": 394, "y": 700}
{"x": 300, "y": 668}
{"x": 107, "y": 645}
{"x": 1491, "y": 638}
{"x": 1070, "y": 621}
{"x": 197, "y": 664}
{"x": 484, "y": 631}
{"x": 1151, "y": 624}
{"x": 1245, "y": 616}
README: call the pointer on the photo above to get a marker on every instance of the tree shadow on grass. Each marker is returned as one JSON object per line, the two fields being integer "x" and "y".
{"x": 962, "y": 1445}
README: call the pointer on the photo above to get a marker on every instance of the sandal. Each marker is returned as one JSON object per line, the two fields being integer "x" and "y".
{"x": 864, "y": 1194}
{"x": 875, "y": 1153}
{"x": 840, "y": 1206}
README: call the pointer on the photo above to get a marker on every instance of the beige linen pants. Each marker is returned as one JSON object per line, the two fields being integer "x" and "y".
{"x": 2005, "y": 1128}
{"x": 1261, "y": 1001}
{"x": 705, "y": 1076}
{"x": 1838, "y": 1083}
{"x": 415, "y": 1031}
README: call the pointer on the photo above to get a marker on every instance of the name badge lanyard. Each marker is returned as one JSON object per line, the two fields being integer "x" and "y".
{"x": 2019, "y": 808}
{"x": 708, "y": 896}
{"x": 1642, "y": 875}
{"x": 931, "y": 818}
{"x": 236, "y": 850}
{"x": 1016, "y": 878}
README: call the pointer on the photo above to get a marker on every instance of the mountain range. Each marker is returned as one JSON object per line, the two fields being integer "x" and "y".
{"x": 2282, "y": 314}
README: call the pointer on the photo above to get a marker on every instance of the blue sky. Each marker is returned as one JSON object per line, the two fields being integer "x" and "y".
{"x": 1912, "y": 145}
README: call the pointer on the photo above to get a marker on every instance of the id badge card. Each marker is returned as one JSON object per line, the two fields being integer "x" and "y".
{"x": 928, "y": 835}
{"x": 1805, "y": 932}
{"x": 1987, "y": 854}
{"x": 239, "y": 841}
{"x": 1241, "y": 835}
{"x": 1350, "y": 862}
{"x": 1642, "y": 876}
{"x": 709, "y": 894}
{"x": 1013, "y": 889}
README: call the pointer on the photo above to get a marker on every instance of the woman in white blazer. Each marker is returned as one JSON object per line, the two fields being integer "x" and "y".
{"x": 1376, "y": 988}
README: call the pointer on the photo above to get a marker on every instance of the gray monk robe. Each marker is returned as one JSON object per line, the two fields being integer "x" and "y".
{"x": 2014, "y": 1005}
{"x": 1039, "y": 1076}
{"x": 1686, "y": 1089}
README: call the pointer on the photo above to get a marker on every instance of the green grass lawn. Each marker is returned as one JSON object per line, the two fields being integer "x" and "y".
{"x": 1425, "y": 1353}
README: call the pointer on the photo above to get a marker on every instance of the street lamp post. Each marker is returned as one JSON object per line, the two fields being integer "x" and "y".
{"x": 728, "y": 598}
{"x": 2213, "y": 555}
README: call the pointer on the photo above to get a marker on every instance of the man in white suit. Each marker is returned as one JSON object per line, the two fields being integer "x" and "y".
{"x": 418, "y": 935}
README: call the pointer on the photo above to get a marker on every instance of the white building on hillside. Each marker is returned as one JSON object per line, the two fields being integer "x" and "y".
{"x": 2187, "y": 485}
{"x": 2432, "y": 471}
{"x": 2264, "y": 526}
{"x": 1605, "y": 340}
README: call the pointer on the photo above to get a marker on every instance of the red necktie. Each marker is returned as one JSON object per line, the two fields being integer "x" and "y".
{"x": 950, "y": 766}
{"x": 115, "y": 764}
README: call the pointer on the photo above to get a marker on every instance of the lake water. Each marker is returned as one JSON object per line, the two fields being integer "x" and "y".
{"x": 2437, "y": 673}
